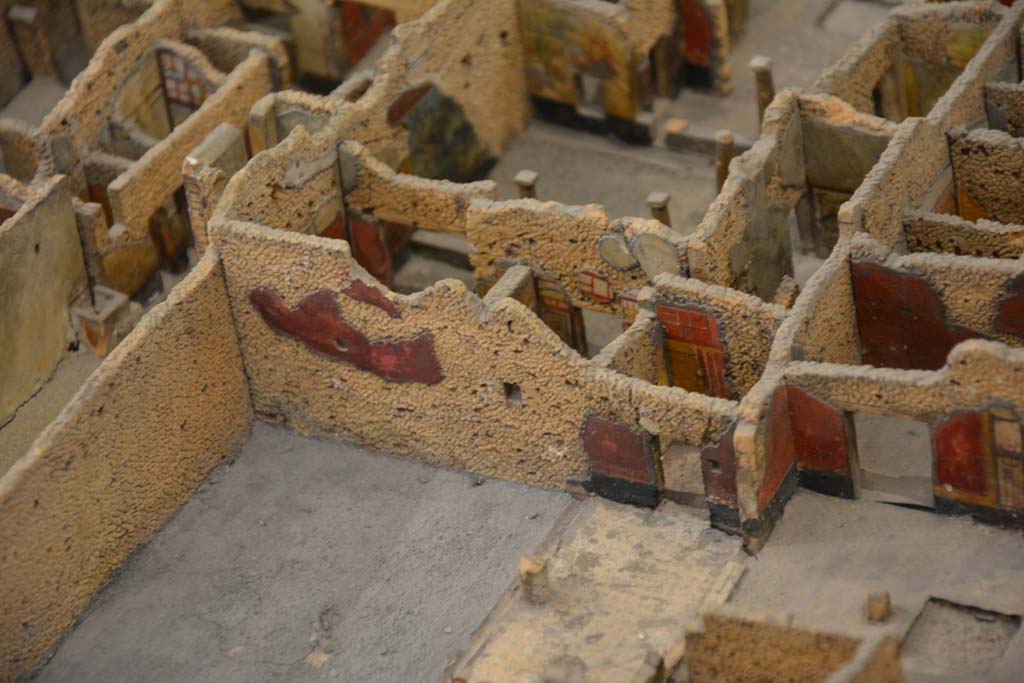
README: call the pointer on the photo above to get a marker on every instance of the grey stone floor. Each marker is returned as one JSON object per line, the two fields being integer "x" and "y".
{"x": 35, "y": 100}
{"x": 826, "y": 554}
{"x": 577, "y": 167}
{"x": 802, "y": 37}
{"x": 307, "y": 560}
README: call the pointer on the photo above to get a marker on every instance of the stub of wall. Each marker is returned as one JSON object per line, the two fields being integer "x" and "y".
{"x": 43, "y": 271}
{"x": 17, "y": 150}
{"x": 97, "y": 18}
{"x": 855, "y": 75}
{"x": 135, "y": 194}
{"x": 440, "y": 205}
{"x": 822, "y": 324}
{"x": 84, "y": 111}
{"x": 637, "y": 352}
{"x": 96, "y": 489}
{"x": 228, "y": 47}
{"x": 977, "y": 372}
{"x": 960, "y": 40}
{"x": 972, "y": 290}
{"x": 205, "y": 173}
{"x": 734, "y": 648}
{"x": 294, "y": 186}
{"x": 1004, "y": 106}
{"x": 904, "y": 173}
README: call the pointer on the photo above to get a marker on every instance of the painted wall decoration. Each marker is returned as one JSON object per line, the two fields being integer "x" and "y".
{"x": 1010, "y": 316}
{"x": 442, "y": 142}
{"x": 926, "y": 81}
{"x": 316, "y": 322}
{"x": 621, "y": 461}
{"x": 780, "y": 456}
{"x": 823, "y": 442}
{"x": 979, "y": 464}
{"x": 360, "y": 291}
{"x": 360, "y": 28}
{"x": 558, "y": 313}
{"x": 578, "y": 58}
{"x": 696, "y": 358}
{"x": 184, "y": 86}
{"x": 698, "y": 40}
{"x": 594, "y": 286}
{"x": 369, "y": 246}
{"x": 901, "y": 319}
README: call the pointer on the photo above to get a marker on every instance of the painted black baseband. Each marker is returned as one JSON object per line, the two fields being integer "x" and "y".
{"x": 725, "y": 518}
{"x": 829, "y": 483}
{"x": 1013, "y": 519}
{"x": 761, "y": 526}
{"x": 622, "y": 491}
{"x": 566, "y": 115}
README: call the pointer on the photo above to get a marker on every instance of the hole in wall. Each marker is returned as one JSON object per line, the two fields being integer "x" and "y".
{"x": 513, "y": 394}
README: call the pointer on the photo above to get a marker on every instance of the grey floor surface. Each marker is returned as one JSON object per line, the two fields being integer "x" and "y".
{"x": 307, "y": 560}
{"x": 577, "y": 167}
{"x": 827, "y": 554}
{"x": 801, "y": 37}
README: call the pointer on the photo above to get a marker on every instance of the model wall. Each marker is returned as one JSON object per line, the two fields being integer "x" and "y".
{"x": 729, "y": 648}
{"x": 42, "y": 273}
{"x": 94, "y": 488}
{"x": 17, "y": 150}
{"x": 743, "y": 241}
{"x": 139, "y": 192}
{"x": 437, "y": 375}
{"x": 471, "y": 52}
{"x": 78, "y": 120}
{"x": 945, "y": 233}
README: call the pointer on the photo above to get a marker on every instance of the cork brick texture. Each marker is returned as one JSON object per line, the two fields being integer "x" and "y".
{"x": 917, "y": 311}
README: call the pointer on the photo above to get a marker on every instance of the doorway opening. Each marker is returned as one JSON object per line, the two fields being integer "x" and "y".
{"x": 895, "y": 460}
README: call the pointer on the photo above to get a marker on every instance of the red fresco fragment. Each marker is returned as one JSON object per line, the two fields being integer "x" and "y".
{"x": 1010, "y": 316}
{"x": 361, "y": 26}
{"x": 336, "y": 230}
{"x": 616, "y": 451}
{"x": 360, "y": 291}
{"x": 369, "y": 249}
{"x": 901, "y": 320}
{"x": 960, "y": 454}
{"x": 818, "y": 433}
{"x": 316, "y": 322}
{"x": 779, "y": 455}
{"x": 697, "y": 31}
{"x": 406, "y": 101}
